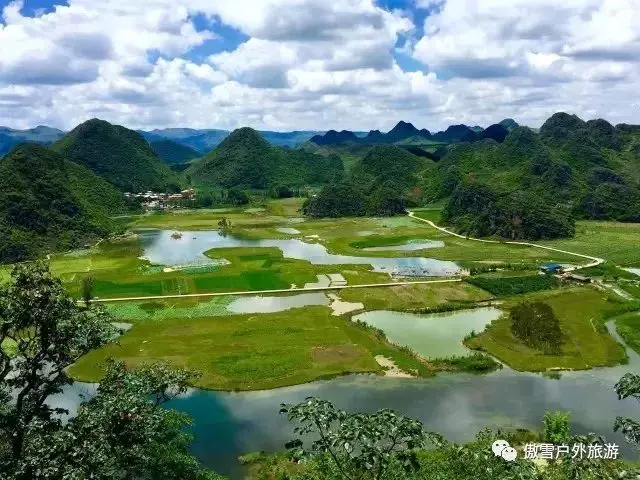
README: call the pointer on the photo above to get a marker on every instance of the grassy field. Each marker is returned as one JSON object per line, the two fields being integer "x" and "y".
{"x": 628, "y": 327}
{"x": 414, "y": 297}
{"x": 118, "y": 272}
{"x": 251, "y": 352}
{"x": 613, "y": 241}
{"x": 581, "y": 312}
{"x": 632, "y": 289}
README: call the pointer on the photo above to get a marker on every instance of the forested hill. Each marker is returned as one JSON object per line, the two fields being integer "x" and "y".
{"x": 245, "y": 159}
{"x": 121, "y": 156}
{"x": 50, "y": 203}
{"x": 382, "y": 183}
{"x": 534, "y": 185}
{"x": 172, "y": 152}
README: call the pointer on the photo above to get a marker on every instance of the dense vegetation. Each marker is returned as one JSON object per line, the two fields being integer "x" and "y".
{"x": 245, "y": 159}
{"x": 511, "y": 285}
{"x": 172, "y": 152}
{"x": 380, "y": 184}
{"x": 535, "y": 324}
{"x": 47, "y": 202}
{"x": 122, "y": 432}
{"x": 534, "y": 185}
{"x": 119, "y": 155}
{"x": 387, "y": 446}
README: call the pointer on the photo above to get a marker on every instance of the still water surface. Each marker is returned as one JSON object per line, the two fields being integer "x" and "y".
{"x": 160, "y": 248}
{"x": 433, "y": 335}
{"x": 228, "y": 424}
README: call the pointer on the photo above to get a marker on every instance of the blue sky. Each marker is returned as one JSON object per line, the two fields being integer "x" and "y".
{"x": 316, "y": 64}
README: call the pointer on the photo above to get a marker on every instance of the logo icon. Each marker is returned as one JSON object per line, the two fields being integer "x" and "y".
{"x": 501, "y": 448}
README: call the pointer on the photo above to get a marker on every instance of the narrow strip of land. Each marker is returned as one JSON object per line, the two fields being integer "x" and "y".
{"x": 287, "y": 290}
{"x": 594, "y": 260}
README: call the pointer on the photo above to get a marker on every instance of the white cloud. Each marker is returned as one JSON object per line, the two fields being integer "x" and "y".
{"x": 318, "y": 64}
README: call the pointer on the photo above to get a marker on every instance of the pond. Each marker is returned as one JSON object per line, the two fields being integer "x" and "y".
{"x": 160, "y": 248}
{"x": 260, "y": 304}
{"x": 433, "y": 335}
{"x": 410, "y": 246}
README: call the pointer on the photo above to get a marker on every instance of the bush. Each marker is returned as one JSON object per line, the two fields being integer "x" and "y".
{"x": 507, "y": 286}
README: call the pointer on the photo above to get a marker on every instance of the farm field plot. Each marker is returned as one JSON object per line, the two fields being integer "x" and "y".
{"x": 581, "y": 313}
{"x": 415, "y": 297}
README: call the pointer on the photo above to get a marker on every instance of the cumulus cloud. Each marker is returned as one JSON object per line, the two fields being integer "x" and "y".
{"x": 318, "y": 64}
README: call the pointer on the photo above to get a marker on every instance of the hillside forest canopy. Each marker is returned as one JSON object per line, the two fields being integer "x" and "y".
{"x": 506, "y": 181}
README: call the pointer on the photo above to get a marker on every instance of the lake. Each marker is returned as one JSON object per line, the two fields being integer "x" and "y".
{"x": 433, "y": 335}
{"x": 161, "y": 249}
{"x": 228, "y": 424}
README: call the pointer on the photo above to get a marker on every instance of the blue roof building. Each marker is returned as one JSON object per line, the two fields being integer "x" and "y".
{"x": 551, "y": 268}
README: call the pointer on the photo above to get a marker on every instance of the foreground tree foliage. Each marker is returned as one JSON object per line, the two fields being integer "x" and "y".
{"x": 387, "y": 446}
{"x": 122, "y": 432}
{"x": 358, "y": 445}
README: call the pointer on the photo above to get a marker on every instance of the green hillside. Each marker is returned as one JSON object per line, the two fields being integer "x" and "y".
{"x": 121, "y": 156}
{"x": 172, "y": 152}
{"x": 245, "y": 159}
{"x": 49, "y": 203}
{"x": 382, "y": 183}
{"x": 539, "y": 182}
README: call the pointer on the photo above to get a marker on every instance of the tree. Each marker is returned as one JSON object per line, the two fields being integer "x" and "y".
{"x": 535, "y": 324}
{"x": 88, "y": 284}
{"x": 120, "y": 433}
{"x": 628, "y": 387}
{"x": 47, "y": 332}
{"x": 358, "y": 445}
{"x": 557, "y": 428}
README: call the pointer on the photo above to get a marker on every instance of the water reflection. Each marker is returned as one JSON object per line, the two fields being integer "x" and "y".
{"x": 433, "y": 335}
{"x": 160, "y": 248}
{"x": 260, "y": 304}
{"x": 410, "y": 246}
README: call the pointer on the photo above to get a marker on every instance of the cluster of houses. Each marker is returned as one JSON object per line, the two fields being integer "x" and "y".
{"x": 155, "y": 200}
{"x": 558, "y": 271}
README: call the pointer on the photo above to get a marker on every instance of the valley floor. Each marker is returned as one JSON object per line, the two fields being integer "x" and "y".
{"x": 284, "y": 339}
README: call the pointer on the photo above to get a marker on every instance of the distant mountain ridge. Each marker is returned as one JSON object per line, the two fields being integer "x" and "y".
{"x": 205, "y": 140}
{"x": 405, "y": 133}
{"x": 10, "y": 137}
{"x": 174, "y": 153}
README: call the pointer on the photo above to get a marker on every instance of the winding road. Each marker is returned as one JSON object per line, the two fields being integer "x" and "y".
{"x": 593, "y": 262}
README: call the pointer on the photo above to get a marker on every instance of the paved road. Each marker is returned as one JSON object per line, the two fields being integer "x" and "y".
{"x": 594, "y": 260}
{"x": 288, "y": 290}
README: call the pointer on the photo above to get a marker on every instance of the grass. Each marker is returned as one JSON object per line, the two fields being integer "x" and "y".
{"x": 581, "y": 312}
{"x": 631, "y": 289}
{"x": 414, "y": 297}
{"x": 251, "y": 352}
{"x": 628, "y": 326}
{"x": 613, "y": 241}
{"x": 607, "y": 271}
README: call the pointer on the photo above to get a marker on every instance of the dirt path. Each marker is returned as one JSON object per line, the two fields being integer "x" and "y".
{"x": 286, "y": 290}
{"x": 391, "y": 369}
{"x": 594, "y": 260}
